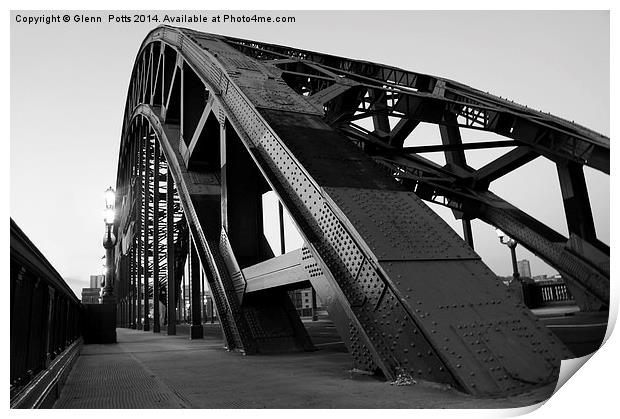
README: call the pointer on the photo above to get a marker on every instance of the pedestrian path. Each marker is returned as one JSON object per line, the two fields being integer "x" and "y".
{"x": 148, "y": 370}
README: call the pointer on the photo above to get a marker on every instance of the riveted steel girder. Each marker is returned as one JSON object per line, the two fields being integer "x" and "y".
{"x": 414, "y": 97}
{"x": 348, "y": 90}
{"x": 419, "y": 301}
{"x": 426, "y": 98}
{"x": 408, "y": 296}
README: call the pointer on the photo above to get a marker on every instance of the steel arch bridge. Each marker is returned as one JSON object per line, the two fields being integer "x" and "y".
{"x": 212, "y": 123}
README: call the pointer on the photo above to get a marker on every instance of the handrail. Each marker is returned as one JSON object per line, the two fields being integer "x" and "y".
{"x": 45, "y": 312}
{"x": 543, "y": 294}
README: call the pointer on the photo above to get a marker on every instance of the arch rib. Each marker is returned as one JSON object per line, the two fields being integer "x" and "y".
{"x": 409, "y": 295}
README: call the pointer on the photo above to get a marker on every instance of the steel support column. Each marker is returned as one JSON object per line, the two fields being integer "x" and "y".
{"x": 242, "y": 222}
{"x": 126, "y": 278}
{"x": 212, "y": 310}
{"x": 202, "y": 295}
{"x": 123, "y": 285}
{"x": 451, "y": 135}
{"x": 242, "y": 212}
{"x": 576, "y": 201}
{"x": 182, "y": 310}
{"x": 170, "y": 285}
{"x": 156, "y": 320}
{"x": 145, "y": 228}
{"x": 135, "y": 176}
{"x": 141, "y": 141}
{"x": 196, "y": 330}
{"x": 281, "y": 227}
{"x": 315, "y": 317}
{"x": 132, "y": 285}
{"x": 467, "y": 232}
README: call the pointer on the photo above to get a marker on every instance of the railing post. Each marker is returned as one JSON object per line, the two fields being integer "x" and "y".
{"x": 67, "y": 322}
{"x": 56, "y": 314}
{"x": 19, "y": 326}
{"x": 49, "y": 350}
{"x": 34, "y": 342}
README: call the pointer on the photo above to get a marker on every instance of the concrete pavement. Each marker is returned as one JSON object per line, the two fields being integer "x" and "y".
{"x": 147, "y": 370}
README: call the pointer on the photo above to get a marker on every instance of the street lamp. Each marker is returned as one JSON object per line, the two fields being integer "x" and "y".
{"x": 104, "y": 267}
{"x": 110, "y": 197}
{"x": 108, "y": 244}
{"x": 512, "y": 244}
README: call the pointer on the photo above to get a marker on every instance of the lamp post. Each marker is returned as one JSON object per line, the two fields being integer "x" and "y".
{"x": 101, "y": 283}
{"x": 109, "y": 241}
{"x": 104, "y": 268}
{"x": 512, "y": 244}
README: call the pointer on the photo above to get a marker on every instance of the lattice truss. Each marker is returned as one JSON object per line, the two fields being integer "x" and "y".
{"x": 224, "y": 120}
{"x": 143, "y": 218}
{"x": 349, "y": 91}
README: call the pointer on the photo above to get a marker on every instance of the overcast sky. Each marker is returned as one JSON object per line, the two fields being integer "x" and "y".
{"x": 69, "y": 85}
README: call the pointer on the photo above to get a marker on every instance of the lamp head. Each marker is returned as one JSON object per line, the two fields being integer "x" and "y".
{"x": 108, "y": 216}
{"x": 109, "y": 197}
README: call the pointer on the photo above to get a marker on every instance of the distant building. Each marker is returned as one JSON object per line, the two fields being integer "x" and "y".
{"x": 184, "y": 313}
{"x": 90, "y": 295}
{"x": 523, "y": 266}
{"x": 96, "y": 281}
{"x": 306, "y": 298}
{"x": 555, "y": 278}
{"x": 302, "y": 300}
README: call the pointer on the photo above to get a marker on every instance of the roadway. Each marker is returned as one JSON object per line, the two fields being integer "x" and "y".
{"x": 581, "y": 332}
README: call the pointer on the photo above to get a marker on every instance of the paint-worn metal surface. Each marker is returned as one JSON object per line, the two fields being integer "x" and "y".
{"x": 235, "y": 118}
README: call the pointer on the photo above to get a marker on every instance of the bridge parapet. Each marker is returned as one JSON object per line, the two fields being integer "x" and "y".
{"x": 45, "y": 325}
{"x": 547, "y": 293}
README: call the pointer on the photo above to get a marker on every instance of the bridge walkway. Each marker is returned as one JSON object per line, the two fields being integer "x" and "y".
{"x": 147, "y": 370}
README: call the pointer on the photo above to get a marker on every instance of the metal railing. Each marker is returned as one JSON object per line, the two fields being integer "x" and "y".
{"x": 543, "y": 294}
{"x": 45, "y": 313}
{"x": 551, "y": 293}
